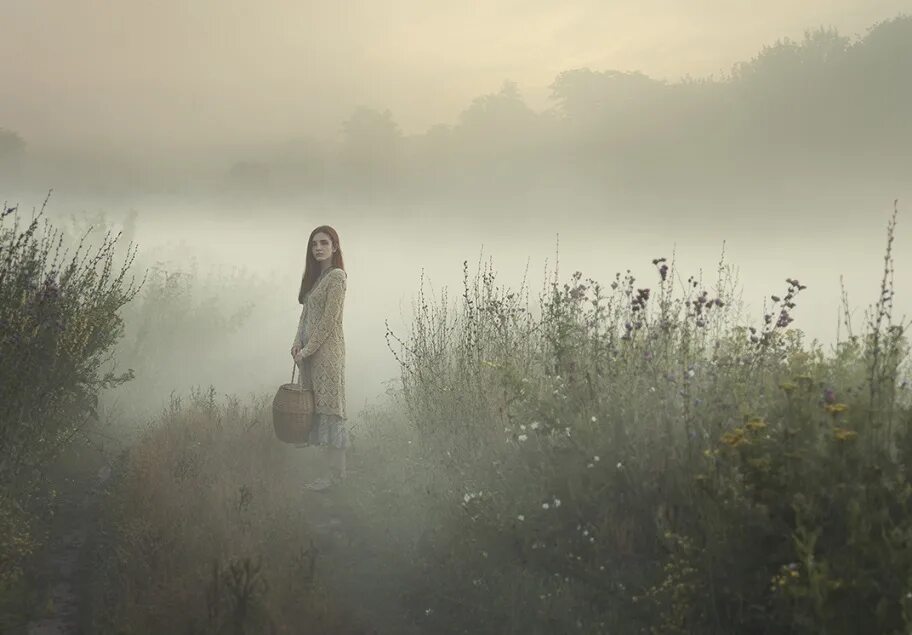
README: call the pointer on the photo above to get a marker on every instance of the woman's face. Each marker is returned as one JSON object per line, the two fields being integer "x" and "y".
{"x": 322, "y": 247}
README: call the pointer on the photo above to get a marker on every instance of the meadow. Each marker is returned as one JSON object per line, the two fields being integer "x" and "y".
{"x": 629, "y": 456}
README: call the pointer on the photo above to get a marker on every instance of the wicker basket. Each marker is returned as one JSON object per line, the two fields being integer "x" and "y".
{"x": 292, "y": 412}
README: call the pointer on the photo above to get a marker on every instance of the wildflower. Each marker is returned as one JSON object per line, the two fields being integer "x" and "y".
{"x": 593, "y": 419}
{"x": 756, "y": 423}
{"x": 520, "y": 518}
{"x": 734, "y": 438}
{"x": 522, "y": 437}
{"x": 620, "y": 465}
{"x": 652, "y": 389}
{"x": 590, "y": 465}
{"x": 428, "y": 611}
{"x": 835, "y": 408}
{"x": 557, "y": 503}
{"x": 546, "y": 506}
{"x": 467, "y": 498}
{"x": 595, "y": 458}
{"x": 842, "y": 434}
{"x": 534, "y": 425}
{"x": 690, "y": 372}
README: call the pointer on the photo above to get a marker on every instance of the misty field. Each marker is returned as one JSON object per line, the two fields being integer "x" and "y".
{"x": 635, "y": 456}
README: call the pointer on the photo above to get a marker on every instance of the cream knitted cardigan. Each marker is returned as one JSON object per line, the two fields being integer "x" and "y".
{"x": 323, "y": 343}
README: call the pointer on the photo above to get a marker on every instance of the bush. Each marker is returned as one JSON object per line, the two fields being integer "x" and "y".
{"x": 625, "y": 460}
{"x": 59, "y": 319}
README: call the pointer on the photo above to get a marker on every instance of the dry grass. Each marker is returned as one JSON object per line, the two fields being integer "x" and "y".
{"x": 210, "y": 530}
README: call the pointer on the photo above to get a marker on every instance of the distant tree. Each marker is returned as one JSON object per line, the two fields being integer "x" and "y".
{"x": 500, "y": 118}
{"x": 371, "y": 147}
{"x": 497, "y": 141}
{"x": 585, "y": 96}
{"x": 879, "y": 91}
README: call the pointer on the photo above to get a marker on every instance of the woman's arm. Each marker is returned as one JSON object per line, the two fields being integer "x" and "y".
{"x": 298, "y": 340}
{"x": 335, "y": 297}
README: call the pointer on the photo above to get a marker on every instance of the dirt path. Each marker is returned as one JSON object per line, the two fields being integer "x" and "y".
{"x": 353, "y": 562}
{"x": 62, "y": 565}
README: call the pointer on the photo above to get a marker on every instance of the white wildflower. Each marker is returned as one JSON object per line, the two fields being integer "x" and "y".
{"x": 594, "y": 419}
{"x": 545, "y": 506}
{"x": 522, "y": 437}
{"x": 535, "y": 425}
{"x": 620, "y": 465}
{"x": 595, "y": 458}
{"x": 556, "y": 502}
{"x": 520, "y": 518}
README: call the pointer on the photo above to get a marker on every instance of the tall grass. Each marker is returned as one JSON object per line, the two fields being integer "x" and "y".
{"x": 638, "y": 458}
{"x": 207, "y": 532}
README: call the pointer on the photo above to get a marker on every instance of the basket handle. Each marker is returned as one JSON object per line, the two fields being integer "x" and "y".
{"x": 294, "y": 367}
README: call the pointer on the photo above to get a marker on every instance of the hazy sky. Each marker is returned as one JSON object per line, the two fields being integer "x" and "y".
{"x": 161, "y": 74}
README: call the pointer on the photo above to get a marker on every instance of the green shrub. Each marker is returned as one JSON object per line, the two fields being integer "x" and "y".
{"x": 59, "y": 319}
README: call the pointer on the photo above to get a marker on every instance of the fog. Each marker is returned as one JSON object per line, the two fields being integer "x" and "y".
{"x": 387, "y": 250}
{"x": 604, "y": 136}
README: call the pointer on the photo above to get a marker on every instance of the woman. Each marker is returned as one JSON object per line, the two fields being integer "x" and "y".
{"x": 319, "y": 347}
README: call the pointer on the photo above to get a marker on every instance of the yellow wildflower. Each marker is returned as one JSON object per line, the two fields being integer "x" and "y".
{"x": 842, "y": 434}
{"x": 835, "y": 408}
{"x": 756, "y": 423}
{"x": 734, "y": 438}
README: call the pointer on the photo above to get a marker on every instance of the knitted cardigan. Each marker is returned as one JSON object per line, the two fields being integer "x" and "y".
{"x": 323, "y": 343}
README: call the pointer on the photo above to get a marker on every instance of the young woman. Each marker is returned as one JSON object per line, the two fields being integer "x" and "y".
{"x": 319, "y": 347}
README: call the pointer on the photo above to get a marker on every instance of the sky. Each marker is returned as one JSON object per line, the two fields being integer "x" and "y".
{"x": 143, "y": 76}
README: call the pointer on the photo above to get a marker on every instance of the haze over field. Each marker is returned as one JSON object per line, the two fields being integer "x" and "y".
{"x": 603, "y": 262}
{"x": 427, "y": 134}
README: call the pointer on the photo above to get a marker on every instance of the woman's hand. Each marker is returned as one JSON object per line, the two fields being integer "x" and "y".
{"x": 298, "y": 355}
{"x": 295, "y": 349}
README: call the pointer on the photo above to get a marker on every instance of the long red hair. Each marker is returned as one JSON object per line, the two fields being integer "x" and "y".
{"x": 312, "y": 268}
